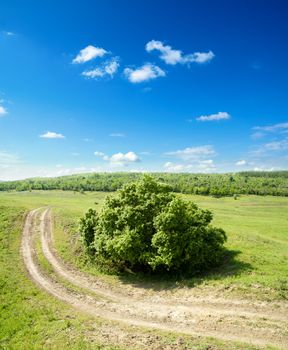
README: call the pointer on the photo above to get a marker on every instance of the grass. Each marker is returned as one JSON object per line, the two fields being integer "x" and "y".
{"x": 256, "y": 265}
{"x": 31, "y": 319}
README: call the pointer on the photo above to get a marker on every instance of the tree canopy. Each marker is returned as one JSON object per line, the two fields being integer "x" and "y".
{"x": 254, "y": 182}
{"x": 146, "y": 227}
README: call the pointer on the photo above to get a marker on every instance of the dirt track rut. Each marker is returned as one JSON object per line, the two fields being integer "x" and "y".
{"x": 256, "y": 323}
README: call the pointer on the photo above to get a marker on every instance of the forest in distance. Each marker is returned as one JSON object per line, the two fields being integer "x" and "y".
{"x": 273, "y": 183}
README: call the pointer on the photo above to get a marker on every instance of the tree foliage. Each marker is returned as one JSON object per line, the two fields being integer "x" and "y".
{"x": 147, "y": 227}
{"x": 87, "y": 229}
{"x": 273, "y": 183}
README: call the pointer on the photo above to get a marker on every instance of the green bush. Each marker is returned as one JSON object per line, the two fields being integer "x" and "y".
{"x": 147, "y": 227}
{"x": 87, "y": 229}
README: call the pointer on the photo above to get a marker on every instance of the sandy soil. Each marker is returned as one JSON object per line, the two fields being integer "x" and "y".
{"x": 237, "y": 320}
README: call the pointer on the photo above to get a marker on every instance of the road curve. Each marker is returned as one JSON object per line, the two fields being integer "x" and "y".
{"x": 237, "y": 321}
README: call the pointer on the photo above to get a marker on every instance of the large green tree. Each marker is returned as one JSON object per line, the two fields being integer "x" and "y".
{"x": 147, "y": 227}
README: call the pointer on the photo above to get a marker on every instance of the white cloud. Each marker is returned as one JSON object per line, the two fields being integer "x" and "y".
{"x": 193, "y": 153}
{"x": 139, "y": 170}
{"x": 201, "y": 57}
{"x": 196, "y": 159}
{"x": 264, "y": 169}
{"x": 24, "y": 171}
{"x": 261, "y": 131}
{"x": 146, "y": 72}
{"x": 171, "y": 56}
{"x": 52, "y": 135}
{"x": 213, "y": 117}
{"x": 117, "y": 134}
{"x": 127, "y": 157}
{"x": 276, "y": 145}
{"x": 109, "y": 68}
{"x": 272, "y": 128}
{"x": 112, "y": 67}
{"x": 206, "y": 164}
{"x": 265, "y": 149}
{"x": 3, "y": 111}
{"x": 241, "y": 162}
{"x": 169, "y": 166}
{"x": 119, "y": 159}
{"x": 99, "y": 154}
{"x": 70, "y": 171}
{"x": 88, "y": 53}
{"x": 168, "y": 55}
{"x": 197, "y": 166}
{"x": 93, "y": 73}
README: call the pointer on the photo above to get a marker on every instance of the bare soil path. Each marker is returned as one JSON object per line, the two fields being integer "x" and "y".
{"x": 237, "y": 320}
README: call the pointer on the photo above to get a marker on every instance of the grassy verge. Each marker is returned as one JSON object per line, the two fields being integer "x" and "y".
{"x": 256, "y": 264}
{"x": 31, "y": 319}
{"x": 255, "y": 268}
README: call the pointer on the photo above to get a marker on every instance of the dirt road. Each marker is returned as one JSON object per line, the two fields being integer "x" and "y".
{"x": 238, "y": 320}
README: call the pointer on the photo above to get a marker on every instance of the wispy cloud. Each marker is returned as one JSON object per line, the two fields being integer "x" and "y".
{"x": 262, "y": 131}
{"x": 69, "y": 171}
{"x": 89, "y": 53}
{"x": 100, "y": 154}
{"x": 119, "y": 159}
{"x": 276, "y": 145}
{"x": 145, "y": 73}
{"x": 93, "y": 73}
{"x": 172, "y": 167}
{"x": 201, "y": 57}
{"x": 108, "y": 69}
{"x": 195, "y": 159}
{"x": 52, "y": 135}
{"x": 3, "y": 111}
{"x": 263, "y": 168}
{"x": 257, "y": 135}
{"x": 272, "y": 128}
{"x": 207, "y": 164}
{"x": 7, "y": 159}
{"x": 193, "y": 153}
{"x": 198, "y": 166}
{"x": 241, "y": 162}
{"x": 172, "y": 56}
{"x": 8, "y": 33}
{"x": 270, "y": 148}
{"x": 117, "y": 134}
{"x": 214, "y": 117}
{"x": 112, "y": 66}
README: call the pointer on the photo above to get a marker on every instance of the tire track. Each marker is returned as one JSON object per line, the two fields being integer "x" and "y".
{"x": 221, "y": 321}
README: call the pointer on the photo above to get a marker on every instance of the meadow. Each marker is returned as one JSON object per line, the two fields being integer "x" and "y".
{"x": 255, "y": 268}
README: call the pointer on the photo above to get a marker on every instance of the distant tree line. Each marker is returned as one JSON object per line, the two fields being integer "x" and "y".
{"x": 218, "y": 185}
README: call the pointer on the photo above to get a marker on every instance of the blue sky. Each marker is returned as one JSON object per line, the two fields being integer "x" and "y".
{"x": 185, "y": 86}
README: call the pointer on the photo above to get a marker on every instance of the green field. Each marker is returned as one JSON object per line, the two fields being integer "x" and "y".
{"x": 255, "y": 267}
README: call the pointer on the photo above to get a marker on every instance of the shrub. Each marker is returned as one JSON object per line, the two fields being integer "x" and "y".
{"x": 87, "y": 229}
{"x": 146, "y": 227}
